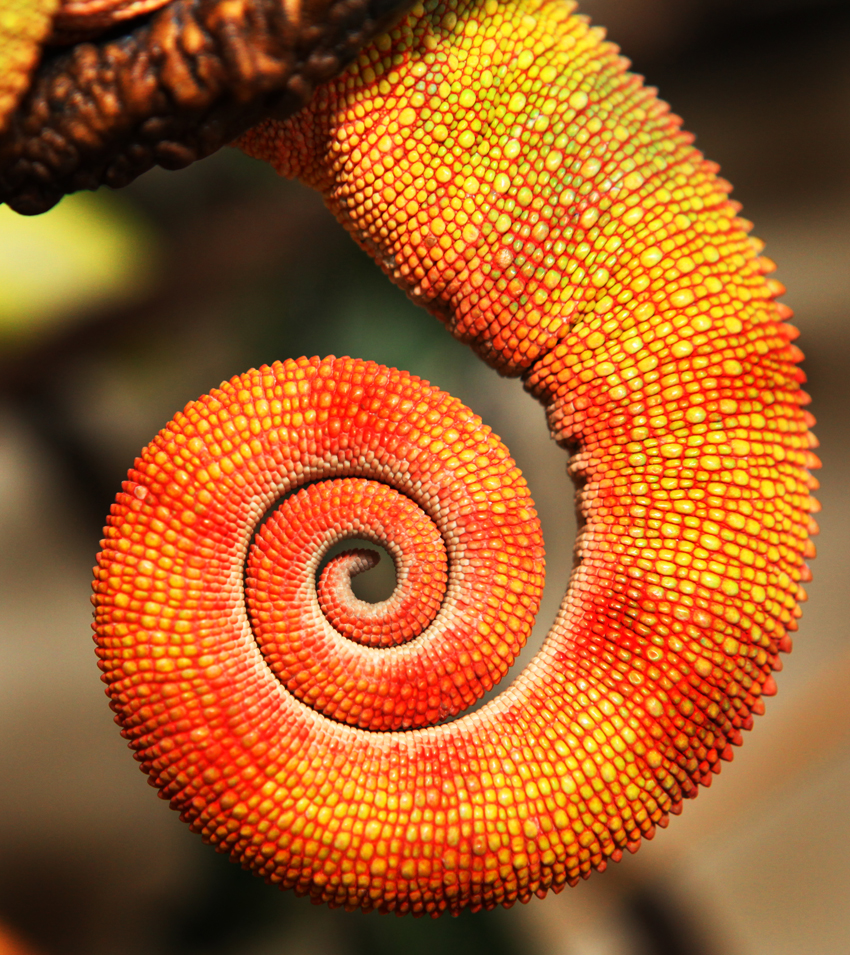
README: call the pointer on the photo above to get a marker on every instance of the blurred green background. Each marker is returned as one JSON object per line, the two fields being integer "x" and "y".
{"x": 118, "y": 308}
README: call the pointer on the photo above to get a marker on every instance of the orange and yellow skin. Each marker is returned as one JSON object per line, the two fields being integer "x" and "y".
{"x": 505, "y": 169}
{"x": 24, "y": 25}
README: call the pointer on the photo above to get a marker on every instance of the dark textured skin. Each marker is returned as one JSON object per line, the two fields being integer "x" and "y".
{"x": 172, "y": 89}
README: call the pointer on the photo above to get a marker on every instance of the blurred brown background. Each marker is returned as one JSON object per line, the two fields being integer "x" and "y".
{"x": 116, "y": 309}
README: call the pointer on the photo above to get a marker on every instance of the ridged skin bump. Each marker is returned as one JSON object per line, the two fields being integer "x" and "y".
{"x": 76, "y": 19}
{"x": 503, "y": 167}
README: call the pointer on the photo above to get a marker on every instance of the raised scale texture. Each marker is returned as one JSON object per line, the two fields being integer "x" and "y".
{"x": 504, "y": 168}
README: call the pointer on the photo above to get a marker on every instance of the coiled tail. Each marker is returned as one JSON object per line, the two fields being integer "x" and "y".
{"x": 505, "y": 169}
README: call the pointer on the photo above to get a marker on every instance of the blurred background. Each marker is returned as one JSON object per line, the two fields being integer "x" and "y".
{"x": 118, "y": 308}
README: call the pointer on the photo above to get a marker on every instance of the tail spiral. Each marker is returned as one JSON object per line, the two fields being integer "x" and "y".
{"x": 200, "y": 692}
{"x": 506, "y": 170}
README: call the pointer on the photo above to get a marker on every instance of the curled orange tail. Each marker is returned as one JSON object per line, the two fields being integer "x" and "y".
{"x": 504, "y": 168}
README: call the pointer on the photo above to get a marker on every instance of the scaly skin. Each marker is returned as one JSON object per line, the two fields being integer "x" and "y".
{"x": 506, "y": 170}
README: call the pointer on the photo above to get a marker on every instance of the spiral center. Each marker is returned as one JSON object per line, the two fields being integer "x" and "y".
{"x": 327, "y": 645}
{"x": 374, "y": 584}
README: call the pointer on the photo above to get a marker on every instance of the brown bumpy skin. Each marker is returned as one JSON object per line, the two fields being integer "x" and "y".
{"x": 502, "y": 166}
{"x": 173, "y": 89}
{"x": 80, "y": 19}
